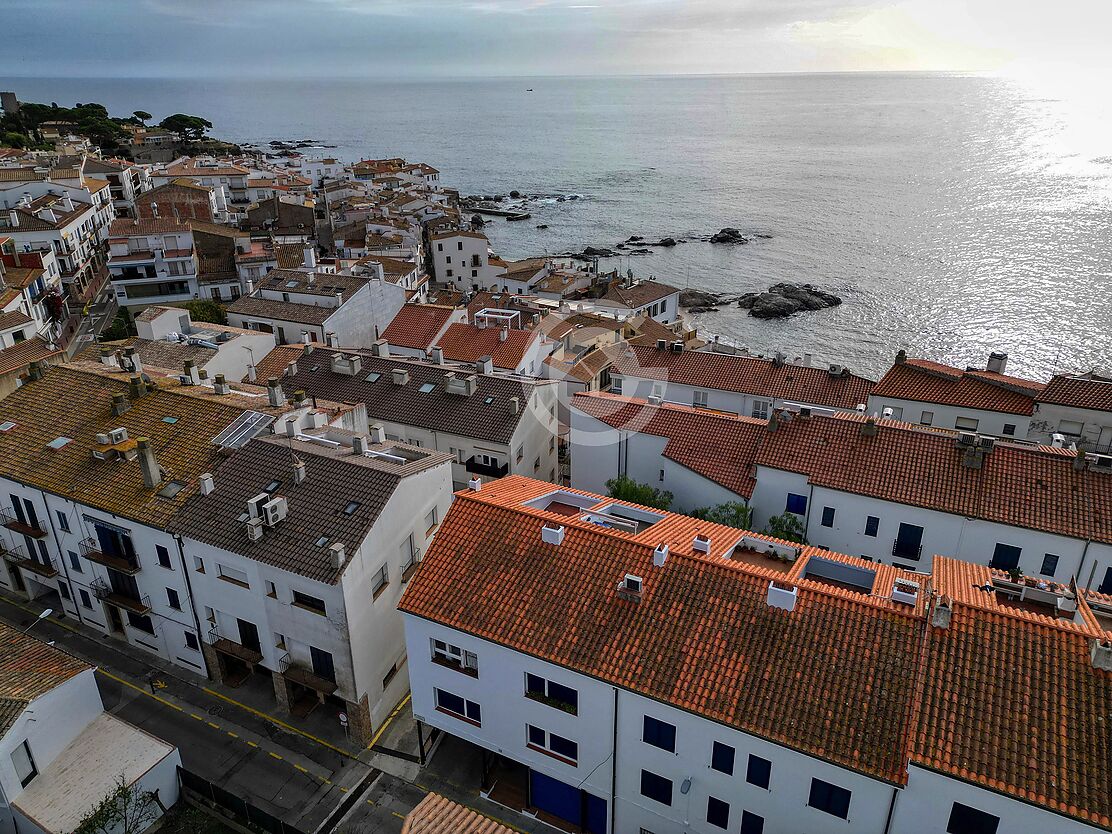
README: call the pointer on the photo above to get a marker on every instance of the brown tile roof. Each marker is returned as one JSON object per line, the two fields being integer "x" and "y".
{"x": 126, "y": 226}
{"x": 324, "y": 283}
{"x": 640, "y": 294}
{"x": 289, "y": 255}
{"x": 29, "y": 668}
{"x": 436, "y": 815}
{"x": 265, "y": 308}
{"x": 436, "y": 410}
{"x": 468, "y": 343}
{"x": 21, "y": 277}
{"x": 30, "y": 222}
{"x": 702, "y": 637}
{"x": 218, "y": 229}
{"x": 19, "y": 356}
{"x": 931, "y": 382}
{"x": 1080, "y": 391}
{"x": 748, "y": 375}
{"x": 201, "y": 171}
{"x": 417, "y": 325}
{"x": 14, "y": 318}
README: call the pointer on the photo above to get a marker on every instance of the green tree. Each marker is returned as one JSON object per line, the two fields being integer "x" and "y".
{"x": 733, "y": 514}
{"x": 11, "y": 139}
{"x": 786, "y": 526}
{"x": 205, "y": 309}
{"x": 125, "y": 810}
{"x": 624, "y": 488}
{"x": 191, "y": 128}
{"x": 142, "y": 115}
{"x": 120, "y": 328}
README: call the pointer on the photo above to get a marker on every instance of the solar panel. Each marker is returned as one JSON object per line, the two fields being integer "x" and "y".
{"x": 246, "y": 426}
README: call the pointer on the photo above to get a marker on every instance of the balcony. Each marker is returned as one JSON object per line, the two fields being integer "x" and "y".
{"x": 91, "y": 550}
{"x": 135, "y": 604}
{"x": 9, "y": 520}
{"x": 232, "y": 648}
{"x": 477, "y": 467}
{"x": 901, "y": 551}
{"x": 15, "y": 555}
{"x": 303, "y": 676}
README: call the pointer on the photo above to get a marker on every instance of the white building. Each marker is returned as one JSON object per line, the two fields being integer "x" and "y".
{"x": 462, "y": 260}
{"x": 61, "y": 754}
{"x": 126, "y": 181}
{"x": 418, "y": 327}
{"x": 649, "y": 672}
{"x": 304, "y": 590}
{"x": 630, "y": 298}
{"x": 1078, "y": 407}
{"x": 152, "y": 262}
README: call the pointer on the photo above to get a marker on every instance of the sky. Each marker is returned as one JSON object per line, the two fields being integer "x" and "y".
{"x": 450, "y": 38}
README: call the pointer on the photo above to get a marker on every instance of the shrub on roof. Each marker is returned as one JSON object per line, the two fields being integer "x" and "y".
{"x": 205, "y": 309}
{"x": 786, "y": 526}
{"x": 624, "y": 488}
{"x": 733, "y": 514}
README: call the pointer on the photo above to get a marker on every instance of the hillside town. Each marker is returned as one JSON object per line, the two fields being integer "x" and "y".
{"x": 320, "y": 515}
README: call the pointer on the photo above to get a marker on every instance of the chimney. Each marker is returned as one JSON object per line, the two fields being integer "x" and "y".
{"x": 135, "y": 387}
{"x": 553, "y": 534}
{"x": 331, "y": 340}
{"x": 34, "y": 371}
{"x": 220, "y": 386}
{"x": 190, "y": 375}
{"x": 310, "y": 259}
{"x": 306, "y": 338}
{"x": 13, "y": 218}
{"x": 359, "y": 444}
{"x": 339, "y": 299}
{"x": 1101, "y": 654}
{"x": 251, "y": 377}
{"x": 401, "y": 376}
{"x": 382, "y": 349}
{"x": 337, "y": 552}
{"x": 660, "y": 555}
{"x": 299, "y": 472}
{"x": 868, "y": 428}
{"x": 485, "y": 365}
{"x": 901, "y": 357}
{"x": 515, "y": 405}
{"x": 275, "y": 393}
{"x": 120, "y": 404}
{"x": 782, "y": 595}
{"x": 773, "y": 421}
{"x": 378, "y": 433}
{"x": 503, "y": 334}
{"x": 701, "y": 543}
{"x": 438, "y": 355}
{"x": 154, "y": 211}
{"x": 148, "y": 464}
{"x": 291, "y": 368}
{"x": 207, "y": 484}
{"x": 300, "y": 398}
{"x": 475, "y": 484}
{"x": 310, "y": 278}
{"x": 997, "y": 362}
{"x": 940, "y": 615}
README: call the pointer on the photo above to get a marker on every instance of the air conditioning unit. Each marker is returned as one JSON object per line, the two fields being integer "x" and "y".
{"x": 255, "y": 529}
{"x": 274, "y": 510}
{"x": 255, "y": 505}
{"x": 966, "y": 440}
{"x": 1100, "y": 461}
{"x": 835, "y": 370}
{"x": 104, "y": 440}
{"x": 117, "y": 435}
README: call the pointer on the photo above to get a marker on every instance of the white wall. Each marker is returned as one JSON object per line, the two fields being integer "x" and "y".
{"x": 1096, "y": 430}
{"x": 945, "y": 416}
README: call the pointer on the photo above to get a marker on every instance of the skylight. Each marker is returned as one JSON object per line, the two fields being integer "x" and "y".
{"x": 322, "y": 541}
{"x": 427, "y": 387}
{"x": 273, "y": 485}
{"x": 373, "y": 377}
{"x": 59, "y": 442}
{"x": 351, "y": 507}
{"x": 171, "y": 489}
{"x": 7, "y": 425}
{"x": 488, "y": 400}
{"x": 170, "y": 420}
{"x": 291, "y": 284}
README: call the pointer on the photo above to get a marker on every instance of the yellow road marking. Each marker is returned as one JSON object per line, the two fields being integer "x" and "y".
{"x": 140, "y": 690}
{"x": 214, "y": 726}
{"x": 278, "y": 722}
{"x": 399, "y": 816}
{"x": 196, "y": 716}
{"x": 233, "y": 735}
{"x": 273, "y": 754}
{"x": 252, "y": 744}
{"x": 299, "y": 767}
{"x": 389, "y": 720}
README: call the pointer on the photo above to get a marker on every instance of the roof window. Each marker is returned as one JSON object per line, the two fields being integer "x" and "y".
{"x": 374, "y": 377}
{"x": 7, "y": 425}
{"x": 427, "y": 387}
{"x": 488, "y": 400}
{"x": 171, "y": 489}
{"x": 170, "y": 420}
{"x": 322, "y": 541}
{"x": 841, "y": 574}
{"x": 59, "y": 442}
{"x": 273, "y": 485}
{"x": 351, "y": 507}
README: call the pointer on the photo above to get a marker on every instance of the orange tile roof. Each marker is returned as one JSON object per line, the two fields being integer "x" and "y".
{"x": 436, "y": 815}
{"x": 931, "y": 382}
{"x": 468, "y": 343}
{"x": 19, "y": 356}
{"x": 417, "y": 325}
{"x": 1080, "y": 391}
{"x": 29, "y": 669}
{"x": 748, "y": 375}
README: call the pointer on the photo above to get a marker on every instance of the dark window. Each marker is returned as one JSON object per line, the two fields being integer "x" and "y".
{"x": 722, "y": 758}
{"x": 659, "y": 734}
{"x": 1005, "y": 557}
{"x": 86, "y": 602}
{"x": 191, "y": 640}
{"x": 797, "y": 504}
{"x": 563, "y": 747}
{"x": 75, "y": 562}
{"x": 64, "y": 590}
{"x": 458, "y": 706}
{"x": 872, "y": 525}
{"x": 758, "y": 772}
{"x": 24, "y": 762}
{"x": 312, "y": 603}
{"x": 751, "y": 823}
{"x": 1049, "y": 565}
{"x": 718, "y": 812}
{"x": 656, "y": 787}
{"x": 554, "y": 694}
{"x": 63, "y": 521}
{"x": 536, "y": 736}
{"x": 829, "y": 798}
{"x": 172, "y": 599}
{"x": 140, "y": 622}
{"x": 1009, "y": 429}
{"x": 966, "y": 820}
{"x": 827, "y": 516}
{"x": 163, "y": 556}
{"x": 1106, "y": 585}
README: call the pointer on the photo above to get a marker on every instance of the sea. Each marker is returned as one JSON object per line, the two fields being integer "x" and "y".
{"x": 955, "y": 214}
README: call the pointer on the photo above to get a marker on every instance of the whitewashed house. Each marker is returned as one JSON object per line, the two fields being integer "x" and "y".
{"x": 152, "y": 262}
{"x": 1079, "y": 408}
{"x": 462, "y": 260}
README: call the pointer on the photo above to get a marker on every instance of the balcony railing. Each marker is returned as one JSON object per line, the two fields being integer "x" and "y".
{"x": 15, "y": 555}
{"x": 477, "y": 467}
{"x": 902, "y": 551}
{"x": 9, "y": 520}
{"x": 301, "y": 674}
{"x": 91, "y": 550}
{"x": 230, "y": 647}
{"x": 135, "y": 604}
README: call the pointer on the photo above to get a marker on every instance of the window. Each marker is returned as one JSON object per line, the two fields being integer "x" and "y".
{"x": 271, "y": 589}
{"x": 796, "y": 504}
{"x": 751, "y": 823}
{"x": 700, "y": 398}
{"x": 198, "y": 564}
{"x": 83, "y": 595}
{"x": 309, "y": 603}
{"x": 64, "y": 590}
{"x": 758, "y": 772}
{"x": 664, "y": 305}
{"x": 1049, "y": 565}
{"x": 520, "y": 453}
{"x": 760, "y": 409}
{"x": 390, "y": 673}
{"x": 722, "y": 758}
{"x": 75, "y": 562}
{"x": 547, "y": 742}
{"x": 827, "y": 516}
{"x": 431, "y": 520}
{"x": 966, "y": 820}
{"x": 829, "y": 798}
{"x": 191, "y": 641}
{"x": 927, "y": 418}
{"x": 656, "y": 787}
{"x": 966, "y": 424}
{"x": 163, "y": 556}
{"x": 63, "y": 521}
{"x": 1009, "y": 429}
{"x": 554, "y": 694}
{"x": 660, "y": 477}
{"x": 1005, "y": 557}
{"x": 210, "y": 615}
{"x": 459, "y": 707}
{"x": 233, "y": 575}
{"x": 718, "y": 812}
{"x": 172, "y": 599}
{"x": 1071, "y": 427}
{"x": 24, "y": 762}
{"x": 381, "y": 580}
{"x": 448, "y": 655}
{"x": 659, "y": 734}
{"x": 140, "y": 622}
{"x": 872, "y": 525}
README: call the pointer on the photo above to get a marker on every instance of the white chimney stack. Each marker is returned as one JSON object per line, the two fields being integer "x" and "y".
{"x": 310, "y": 259}
{"x": 378, "y": 434}
{"x": 274, "y": 393}
{"x": 660, "y": 555}
{"x": 148, "y": 464}
{"x": 207, "y": 484}
{"x": 338, "y": 555}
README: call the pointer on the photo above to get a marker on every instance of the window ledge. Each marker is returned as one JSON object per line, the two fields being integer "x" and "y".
{"x": 455, "y": 667}
{"x": 463, "y": 718}
{"x": 235, "y": 582}
{"x": 551, "y": 755}
{"x": 309, "y": 608}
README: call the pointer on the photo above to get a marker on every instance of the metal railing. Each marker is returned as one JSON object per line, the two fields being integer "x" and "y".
{"x": 92, "y": 550}
{"x": 8, "y": 519}
{"x": 106, "y": 593}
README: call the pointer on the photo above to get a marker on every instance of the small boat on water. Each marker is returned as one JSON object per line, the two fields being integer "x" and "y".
{"x": 513, "y": 218}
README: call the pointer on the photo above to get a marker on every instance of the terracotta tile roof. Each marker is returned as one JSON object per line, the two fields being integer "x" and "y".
{"x": 436, "y": 815}
{"x": 266, "y": 308}
{"x": 127, "y": 226}
{"x": 557, "y": 327}
{"x": 289, "y": 255}
{"x": 718, "y": 447}
{"x": 931, "y": 382}
{"x": 14, "y": 318}
{"x": 748, "y": 375}
{"x": 324, "y": 283}
{"x": 436, "y": 410}
{"x": 702, "y": 637}
{"x": 640, "y": 294}
{"x": 21, "y": 277}
{"x": 218, "y": 229}
{"x": 468, "y": 343}
{"x": 201, "y": 171}
{"x": 417, "y": 325}
{"x": 19, "y": 356}
{"x": 29, "y": 669}
{"x": 30, "y": 222}
{"x": 1089, "y": 391}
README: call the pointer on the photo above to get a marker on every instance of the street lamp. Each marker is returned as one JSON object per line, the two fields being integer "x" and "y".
{"x": 42, "y": 616}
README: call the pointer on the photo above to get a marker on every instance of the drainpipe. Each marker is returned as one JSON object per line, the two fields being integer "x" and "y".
{"x": 193, "y": 605}
{"x": 1081, "y": 564}
{"x": 891, "y": 810}
{"x": 614, "y": 766}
